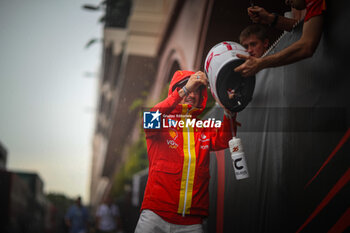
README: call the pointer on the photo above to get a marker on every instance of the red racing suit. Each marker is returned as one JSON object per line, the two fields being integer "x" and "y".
{"x": 178, "y": 177}
{"x": 314, "y": 8}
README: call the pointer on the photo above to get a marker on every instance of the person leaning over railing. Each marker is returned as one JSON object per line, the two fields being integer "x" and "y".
{"x": 301, "y": 49}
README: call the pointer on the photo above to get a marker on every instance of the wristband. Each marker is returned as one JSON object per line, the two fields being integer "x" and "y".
{"x": 185, "y": 90}
{"x": 274, "y": 20}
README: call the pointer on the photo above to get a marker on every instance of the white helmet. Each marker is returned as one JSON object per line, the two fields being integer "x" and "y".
{"x": 228, "y": 87}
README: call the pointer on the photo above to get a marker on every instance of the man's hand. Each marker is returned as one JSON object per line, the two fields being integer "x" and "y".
{"x": 260, "y": 15}
{"x": 250, "y": 67}
{"x": 196, "y": 80}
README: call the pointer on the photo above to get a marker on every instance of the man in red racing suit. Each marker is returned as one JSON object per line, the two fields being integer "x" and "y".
{"x": 177, "y": 193}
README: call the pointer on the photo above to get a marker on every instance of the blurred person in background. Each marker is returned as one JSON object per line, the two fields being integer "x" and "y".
{"x": 108, "y": 217}
{"x": 77, "y": 217}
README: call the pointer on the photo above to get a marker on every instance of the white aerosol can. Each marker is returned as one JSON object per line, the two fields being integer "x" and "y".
{"x": 238, "y": 159}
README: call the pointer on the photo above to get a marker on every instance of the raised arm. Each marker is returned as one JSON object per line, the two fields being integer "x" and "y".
{"x": 260, "y": 15}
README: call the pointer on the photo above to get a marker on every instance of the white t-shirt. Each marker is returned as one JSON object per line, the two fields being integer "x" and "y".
{"x": 107, "y": 215}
